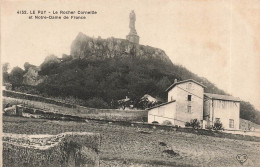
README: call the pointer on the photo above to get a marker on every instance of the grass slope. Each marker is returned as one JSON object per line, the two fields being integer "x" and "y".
{"x": 125, "y": 146}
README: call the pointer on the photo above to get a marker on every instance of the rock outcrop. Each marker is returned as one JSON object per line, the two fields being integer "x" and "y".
{"x": 65, "y": 149}
{"x": 31, "y": 77}
{"x": 98, "y": 48}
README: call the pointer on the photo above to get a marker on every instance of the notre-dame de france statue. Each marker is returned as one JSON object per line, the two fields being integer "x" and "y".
{"x": 132, "y": 36}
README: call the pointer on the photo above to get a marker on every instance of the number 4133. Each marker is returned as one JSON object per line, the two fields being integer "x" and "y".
{"x": 21, "y": 12}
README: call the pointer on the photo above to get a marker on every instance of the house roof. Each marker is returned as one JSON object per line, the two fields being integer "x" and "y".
{"x": 149, "y": 98}
{"x": 124, "y": 100}
{"x": 161, "y": 104}
{"x": 180, "y": 82}
{"x": 222, "y": 97}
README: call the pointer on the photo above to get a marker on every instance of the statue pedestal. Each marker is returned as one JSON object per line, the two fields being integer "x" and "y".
{"x": 133, "y": 38}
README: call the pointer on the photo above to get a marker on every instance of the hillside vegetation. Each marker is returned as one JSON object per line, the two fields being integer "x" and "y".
{"x": 99, "y": 72}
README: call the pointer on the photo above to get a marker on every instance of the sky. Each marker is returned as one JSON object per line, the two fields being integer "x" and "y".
{"x": 216, "y": 39}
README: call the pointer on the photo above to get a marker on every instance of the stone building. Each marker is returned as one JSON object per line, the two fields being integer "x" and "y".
{"x": 221, "y": 108}
{"x": 187, "y": 100}
{"x": 132, "y": 36}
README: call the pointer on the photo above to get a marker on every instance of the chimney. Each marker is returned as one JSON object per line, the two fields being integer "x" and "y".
{"x": 175, "y": 80}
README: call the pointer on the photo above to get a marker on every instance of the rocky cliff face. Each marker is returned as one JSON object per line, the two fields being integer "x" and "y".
{"x": 31, "y": 77}
{"x": 97, "y": 48}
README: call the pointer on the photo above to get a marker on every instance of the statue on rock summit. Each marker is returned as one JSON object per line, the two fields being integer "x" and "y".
{"x": 132, "y": 36}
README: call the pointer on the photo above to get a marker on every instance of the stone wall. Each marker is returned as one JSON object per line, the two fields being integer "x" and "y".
{"x": 66, "y": 149}
{"x": 10, "y": 110}
{"x": 20, "y": 95}
{"x": 53, "y": 111}
{"x": 248, "y": 125}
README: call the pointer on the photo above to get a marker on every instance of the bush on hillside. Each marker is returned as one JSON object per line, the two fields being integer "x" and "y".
{"x": 218, "y": 126}
{"x": 96, "y": 103}
{"x": 209, "y": 127}
{"x": 167, "y": 122}
{"x": 194, "y": 123}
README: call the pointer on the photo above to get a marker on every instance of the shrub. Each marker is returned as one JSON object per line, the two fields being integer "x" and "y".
{"x": 194, "y": 123}
{"x": 209, "y": 127}
{"x": 167, "y": 122}
{"x": 155, "y": 122}
{"x": 176, "y": 126}
{"x": 218, "y": 126}
{"x": 144, "y": 119}
{"x": 96, "y": 103}
{"x": 187, "y": 124}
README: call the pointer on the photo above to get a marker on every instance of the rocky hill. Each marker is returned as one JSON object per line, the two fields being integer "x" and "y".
{"x": 100, "y": 49}
{"x": 107, "y": 70}
{"x": 100, "y": 72}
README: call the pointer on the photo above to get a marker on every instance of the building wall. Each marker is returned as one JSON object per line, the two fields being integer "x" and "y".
{"x": 226, "y": 110}
{"x": 180, "y": 94}
{"x": 162, "y": 113}
{"x": 207, "y": 111}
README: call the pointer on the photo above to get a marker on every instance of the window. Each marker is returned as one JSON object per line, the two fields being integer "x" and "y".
{"x": 231, "y": 123}
{"x": 189, "y": 97}
{"x": 189, "y": 109}
{"x": 217, "y": 119}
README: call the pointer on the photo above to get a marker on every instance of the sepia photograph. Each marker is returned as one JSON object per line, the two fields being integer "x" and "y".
{"x": 138, "y": 83}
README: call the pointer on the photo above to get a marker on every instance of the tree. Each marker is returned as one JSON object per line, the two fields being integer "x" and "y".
{"x": 16, "y": 76}
{"x": 248, "y": 112}
{"x": 50, "y": 65}
{"x": 5, "y": 68}
{"x": 27, "y": 66}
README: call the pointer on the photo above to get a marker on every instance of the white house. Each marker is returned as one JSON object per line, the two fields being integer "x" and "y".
{"x": 187, "y": 100}
{"x": 163, "y": 112}
{"x": 222, "y": 108}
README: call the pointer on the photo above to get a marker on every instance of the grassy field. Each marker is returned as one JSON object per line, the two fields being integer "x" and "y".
{"x": 126, "y": 146}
